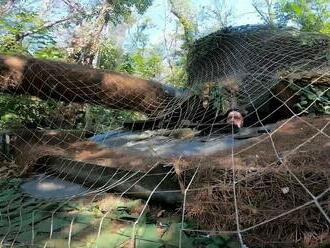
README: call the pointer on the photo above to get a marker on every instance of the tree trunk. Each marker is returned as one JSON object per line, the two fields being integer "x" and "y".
{"x": 74, "y": 83}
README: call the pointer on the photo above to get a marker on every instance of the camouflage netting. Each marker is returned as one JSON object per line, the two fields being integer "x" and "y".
{"x": 247, "y": 62}
{"x": 264, "y": 186}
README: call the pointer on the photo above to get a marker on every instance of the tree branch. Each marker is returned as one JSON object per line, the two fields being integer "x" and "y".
{"x": 47, "y": 26}
{"x": 75, "y": 83}
{"x": 7, "y": 7}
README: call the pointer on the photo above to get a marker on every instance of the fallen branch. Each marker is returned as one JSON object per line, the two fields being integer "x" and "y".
{"x": 75, "y": 83}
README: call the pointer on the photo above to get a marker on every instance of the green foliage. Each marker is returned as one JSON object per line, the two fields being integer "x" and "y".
{"x": 217, "y": 97}
{"x": 312, "y": 16}
{"x": 12, "y": 27}
{"x": 19, "y": 111}
{"x": 182, "y": 9}
{"x": 10, "y": 46}
{"x": 51, "y": 52}
{"x": 16, "y": 112}
{"x": 313, "y": 99}
{"x": 146, "y": 64}
{"x": 177, "y": 76}
{"x": 18, "y": 23}
{"x": 110, "y": 56}
{"x": 122, "y": 9}
{"x": 27, "y": 111}
{"x": 176, "y": 72}
{"x": 23, "y": 32}
{"x": 100, "y": 119}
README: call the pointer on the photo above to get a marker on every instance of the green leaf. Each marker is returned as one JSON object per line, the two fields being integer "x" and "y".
{"x": 107, "y": 240}
{"x": 45, "y": 225}
{"x": 172, "y": 236}
{"x": 25, "y": 237}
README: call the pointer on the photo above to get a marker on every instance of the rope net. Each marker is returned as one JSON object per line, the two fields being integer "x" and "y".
{"x": 182, "y": 176}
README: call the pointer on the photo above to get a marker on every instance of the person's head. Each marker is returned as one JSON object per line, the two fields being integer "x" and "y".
{"x": 236, "y": 118}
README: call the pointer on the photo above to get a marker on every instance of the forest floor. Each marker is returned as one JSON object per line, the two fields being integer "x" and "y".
{"x": 277, "y": 174}
{"x": 288, "y": 137}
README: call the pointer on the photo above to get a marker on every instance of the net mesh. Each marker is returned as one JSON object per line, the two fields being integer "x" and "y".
{"x": 203, "y": 182}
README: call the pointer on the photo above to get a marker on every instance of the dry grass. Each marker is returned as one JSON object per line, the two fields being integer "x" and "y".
{"x": 267, "y": 189}
{"x": 270, "y": 175}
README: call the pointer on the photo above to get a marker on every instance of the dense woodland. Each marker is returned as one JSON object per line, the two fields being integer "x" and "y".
{"x": 116, "y": 36}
